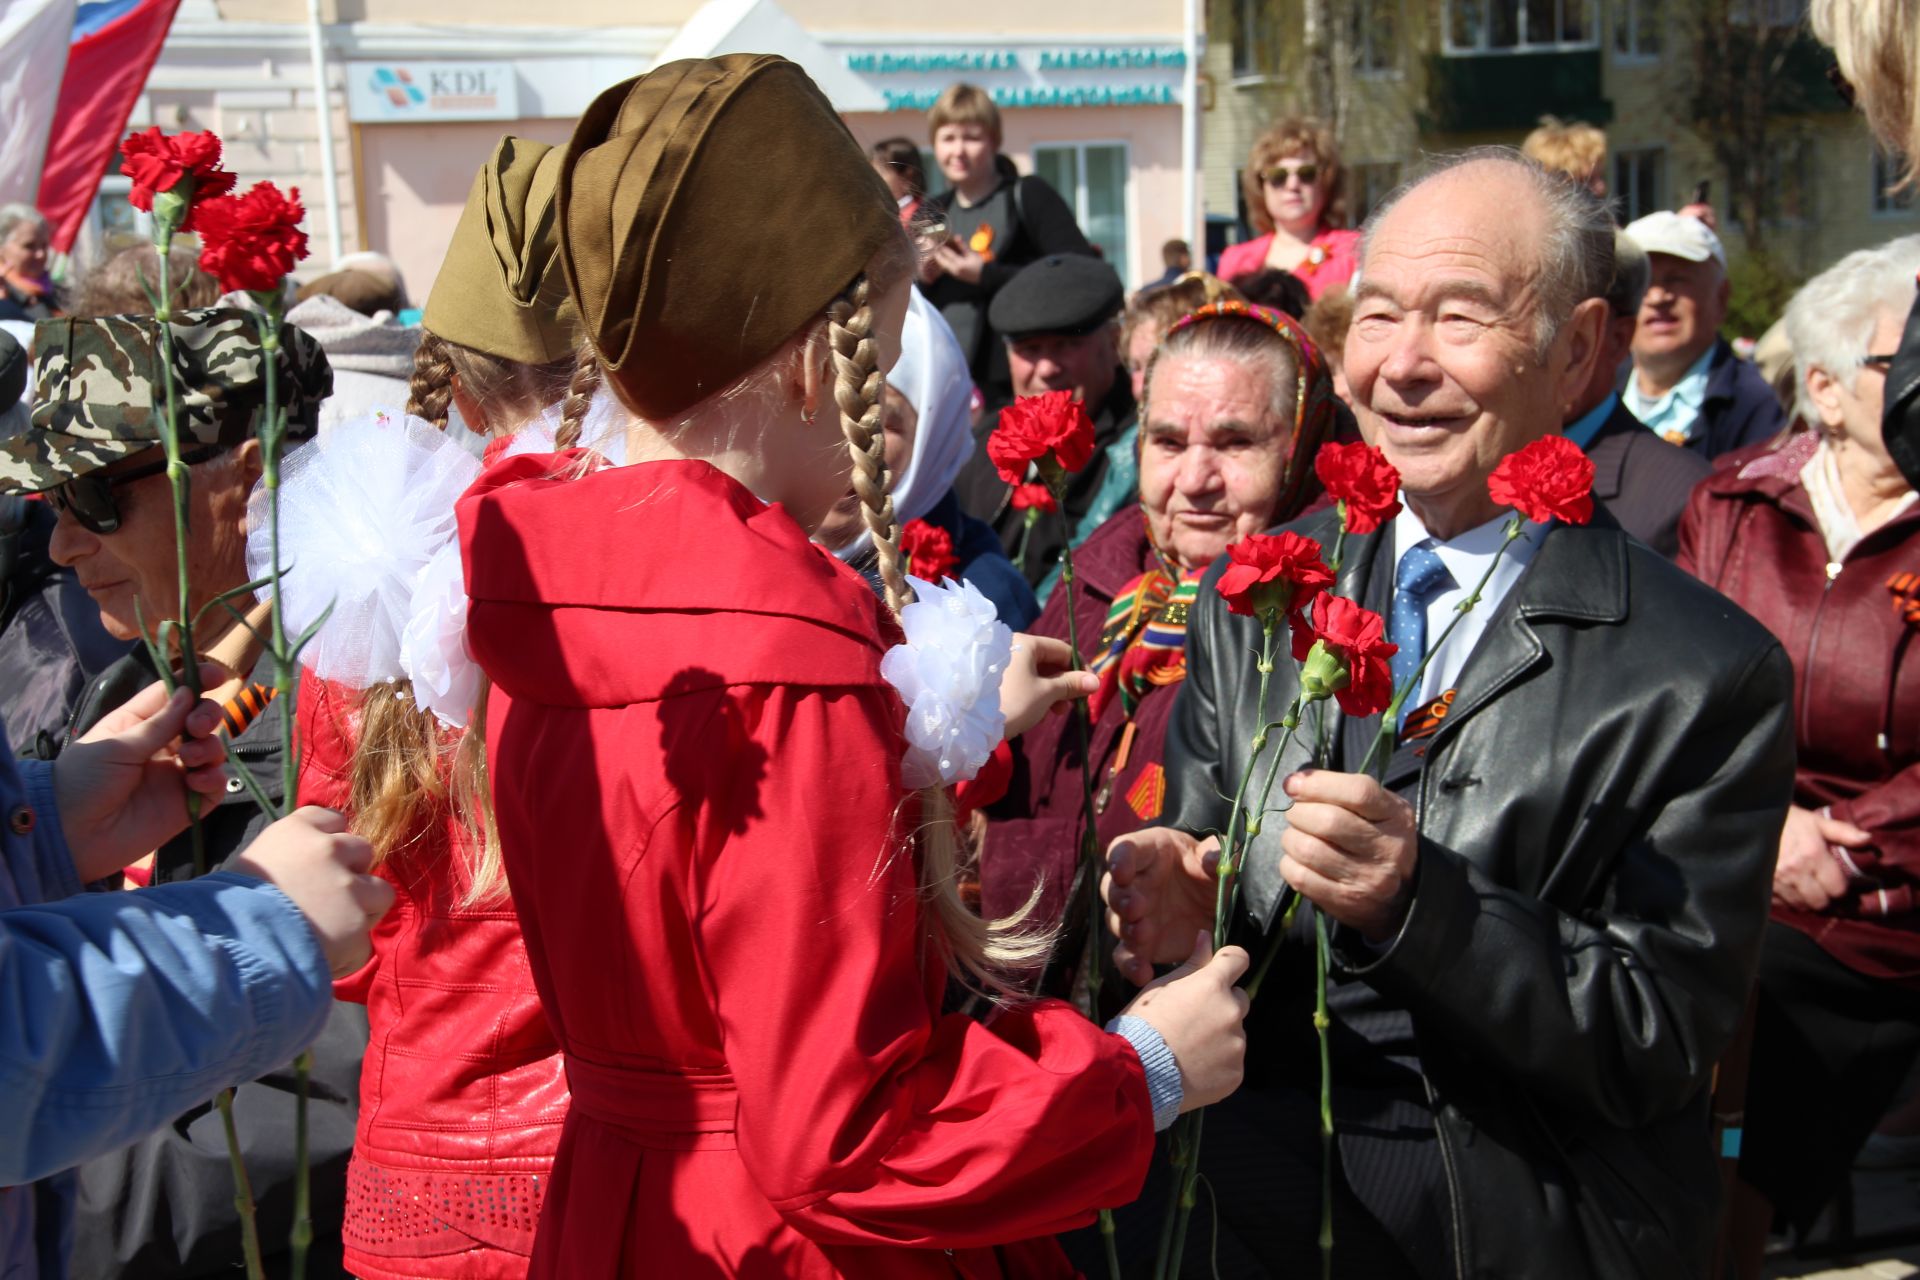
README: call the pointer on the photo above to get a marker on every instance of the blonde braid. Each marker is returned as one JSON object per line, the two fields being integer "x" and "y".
{"x": 988, "y": 954}
{"x": 858, "y": 386}
{"x": 430, "y": 389}
{"x": 581, "y": 385}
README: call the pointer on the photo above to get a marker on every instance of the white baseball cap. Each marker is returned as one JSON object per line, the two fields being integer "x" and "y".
{"x": 1683, "y": 237}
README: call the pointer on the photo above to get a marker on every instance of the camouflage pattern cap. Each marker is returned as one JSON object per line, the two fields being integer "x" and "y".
{"x": 99, "y": 395}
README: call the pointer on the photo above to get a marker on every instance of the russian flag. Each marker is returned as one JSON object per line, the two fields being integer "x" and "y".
{"x": 70, "y": 72}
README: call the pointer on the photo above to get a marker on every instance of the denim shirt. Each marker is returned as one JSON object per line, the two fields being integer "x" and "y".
{"x": 123, "y": 1010}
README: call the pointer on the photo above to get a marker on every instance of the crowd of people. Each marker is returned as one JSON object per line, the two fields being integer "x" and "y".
{"x": 634, "y": 932}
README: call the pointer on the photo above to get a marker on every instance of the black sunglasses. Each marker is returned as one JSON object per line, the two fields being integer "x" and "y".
{"x": 1277, "y": 175}
{"x": 89, "y": 498}
{"x": 1878, "y": 361}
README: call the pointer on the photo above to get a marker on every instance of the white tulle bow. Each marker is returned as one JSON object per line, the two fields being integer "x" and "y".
{"x": 948, "y": 672}
{"x": 367, "y": 529}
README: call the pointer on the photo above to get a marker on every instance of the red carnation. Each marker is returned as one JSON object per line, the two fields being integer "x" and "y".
{"x": 1052, "y": 430}
{"x": 252, "y": 241}
{"x": 1362, "y": 481}
{"x": 1345, "y": 653}
{"x": 1033, "y": 496}
{"x": 1550, "y": 479}
{"x": 929, "y": 550}
{"x": 1281, "y": 572}
{"x": 159, "y": 163}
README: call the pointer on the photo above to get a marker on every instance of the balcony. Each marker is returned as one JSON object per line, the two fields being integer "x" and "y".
{"x": 1507, "y": 92}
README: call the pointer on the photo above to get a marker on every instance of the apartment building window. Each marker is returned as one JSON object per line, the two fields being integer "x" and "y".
{"x": 1886, "y": 175}
{"x": 1637, "y": 186}
{"x": 1375, "y": 36}
{"x": 1253, "y": 48}
{"x": 1093, "y": 178}
{"x": 1636, "y": 29}
{"x": 1518, "y": 26}
{"x": 1368, "y": 186}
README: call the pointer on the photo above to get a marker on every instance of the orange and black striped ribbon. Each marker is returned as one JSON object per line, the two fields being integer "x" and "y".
{"x": 1906, "y": 596}
{"x": 1424, "y": 722}
{"x": 244, "y": 707}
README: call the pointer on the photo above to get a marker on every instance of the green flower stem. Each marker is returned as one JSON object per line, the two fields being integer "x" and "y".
{"x": 1189, "y": 1190}
{"x": 1339, "y": 541}
{"x": 242, "y": 1191}
{"x": 1390, "y": 719}
{"x": 180, "y": 484}
{"x": 1321, "y": 1023}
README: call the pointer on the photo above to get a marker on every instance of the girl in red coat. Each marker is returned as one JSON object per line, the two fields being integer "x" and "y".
{"x": 740, "y": 919}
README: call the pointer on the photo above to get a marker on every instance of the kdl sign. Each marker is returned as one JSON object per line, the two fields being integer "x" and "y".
{"x": 405, "y": 91}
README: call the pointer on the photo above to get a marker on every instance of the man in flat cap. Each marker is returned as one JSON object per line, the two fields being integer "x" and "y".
{"x": 165, "y": 1204}
{"x": 1060, "y": 319}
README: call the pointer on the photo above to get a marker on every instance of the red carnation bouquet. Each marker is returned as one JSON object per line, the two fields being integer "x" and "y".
{"x": 248, "y": 243}
{"x": 929, "y": 550}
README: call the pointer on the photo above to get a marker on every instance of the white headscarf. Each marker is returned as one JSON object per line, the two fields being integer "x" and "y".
{"x": 932, "y": 374}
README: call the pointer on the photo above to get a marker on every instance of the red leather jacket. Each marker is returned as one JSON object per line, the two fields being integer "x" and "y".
{"x": 463, "y": 1091}
{"x": 1850, "y": 629}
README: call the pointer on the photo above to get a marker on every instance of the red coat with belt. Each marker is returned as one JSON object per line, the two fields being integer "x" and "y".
{"x": 696, "y": 770}
{"x": 462, "y": 1092}
{"x": 1852, "y": 629}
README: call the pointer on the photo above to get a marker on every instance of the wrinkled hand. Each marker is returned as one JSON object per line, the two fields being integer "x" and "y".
{"x": 310, "y": 857}
{"x": 1350, "y": 848}
{"x": 1198, "y": 1011}
{"x": 1159, "y": 890}
{"x": 1807, "y": 875}
{"x": 957, "y": 258}
{"x": 1039, "y": 679}
{"x": 122, "y": 788}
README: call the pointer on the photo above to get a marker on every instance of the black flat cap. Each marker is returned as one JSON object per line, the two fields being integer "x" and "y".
{"x": 1067, "y": 293}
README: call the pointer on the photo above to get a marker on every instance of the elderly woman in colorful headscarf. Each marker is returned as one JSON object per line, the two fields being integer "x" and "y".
{"x": 928, "y": 422}
{"x": 1237, "y": 401}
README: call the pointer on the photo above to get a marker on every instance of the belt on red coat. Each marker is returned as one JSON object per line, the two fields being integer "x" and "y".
{"x": 664, "y": 1110}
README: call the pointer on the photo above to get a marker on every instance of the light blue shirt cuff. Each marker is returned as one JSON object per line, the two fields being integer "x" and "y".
{"x": 1163, "y": 1073}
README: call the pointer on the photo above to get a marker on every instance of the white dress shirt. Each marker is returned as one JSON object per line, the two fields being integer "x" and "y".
{"x": 1466, "y": 558}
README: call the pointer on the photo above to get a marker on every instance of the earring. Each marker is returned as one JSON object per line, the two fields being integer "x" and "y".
{"x": 808, "y": 415}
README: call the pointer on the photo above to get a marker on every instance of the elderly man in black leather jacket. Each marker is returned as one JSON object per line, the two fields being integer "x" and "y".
{"x": 1547, "y": 917}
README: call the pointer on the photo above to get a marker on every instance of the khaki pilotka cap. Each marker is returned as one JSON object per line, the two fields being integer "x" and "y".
{"x": 99, "y": 395}
{"x": 709, "y": 209}
{"x": 499, "y": 289}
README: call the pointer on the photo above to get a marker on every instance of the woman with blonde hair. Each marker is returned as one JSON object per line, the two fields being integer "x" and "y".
{"x": 463, "y": 1091}
{"x": 740, "y": 913}
{"x": 1297, "y": 199}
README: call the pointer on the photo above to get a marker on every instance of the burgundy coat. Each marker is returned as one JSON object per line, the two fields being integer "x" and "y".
{"x": 1034, "y": 829}
{"x": 1850, "y": 630}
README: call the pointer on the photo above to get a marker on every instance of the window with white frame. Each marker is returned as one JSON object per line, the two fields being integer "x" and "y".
{"x": 1889, "y": 197}
{"x": 1507, "y": 26}
{"x": 1374, "y": 36}
{"x": 1636, "y": 29}
{"x": 1252, "y": 37}
{"x": 1638, "y": 182}
{"x": 1092, "y": 176}
{"x": 1368, "y": 186}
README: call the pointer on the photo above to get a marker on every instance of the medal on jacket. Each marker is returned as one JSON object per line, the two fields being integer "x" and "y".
{"x": 981, "y": 241}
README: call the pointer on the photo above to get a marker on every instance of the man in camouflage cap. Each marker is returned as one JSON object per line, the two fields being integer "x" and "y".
{"x": 94, "y": 442}
{"x": 164, "y": 1205}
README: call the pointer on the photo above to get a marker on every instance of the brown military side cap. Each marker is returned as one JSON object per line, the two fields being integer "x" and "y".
{"x": 708, "y": 210}
{"x": 498, "y": 290}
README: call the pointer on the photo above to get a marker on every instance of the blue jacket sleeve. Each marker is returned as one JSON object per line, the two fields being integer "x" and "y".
{"x": 120, "y": 1011}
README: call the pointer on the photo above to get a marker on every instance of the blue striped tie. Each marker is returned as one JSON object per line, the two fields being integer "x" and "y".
{"x": 1421, "y": 576}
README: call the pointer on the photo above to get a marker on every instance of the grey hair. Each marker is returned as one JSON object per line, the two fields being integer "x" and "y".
{"x": 13, "y": 213}
{"x": 1831, "y": 320}
{"x": 1243, "y": 341}
{"x": 1576, "y": 260}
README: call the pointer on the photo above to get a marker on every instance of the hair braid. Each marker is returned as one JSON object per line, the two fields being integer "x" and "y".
{"x": 430, "y": 389}
{"x": 858, "y": 386}
{"x": 581, "y": 385}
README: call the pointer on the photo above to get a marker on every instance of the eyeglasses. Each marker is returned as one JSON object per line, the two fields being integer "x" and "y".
{"x": 1277, "y": 175}
{"x": 89, "y": 498}
{"x": 1877, "y": 361}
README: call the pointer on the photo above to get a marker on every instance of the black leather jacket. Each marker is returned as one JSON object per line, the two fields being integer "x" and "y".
{"x": 1598, "y": 821}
